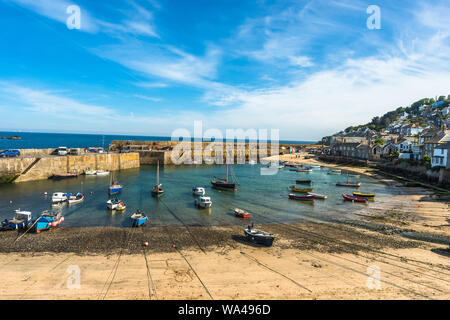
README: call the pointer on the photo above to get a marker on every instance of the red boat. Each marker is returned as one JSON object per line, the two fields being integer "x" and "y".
{"x": 354, "y": 198}
{"x": 305, "y": 197}
{"x": 241, "y": 213}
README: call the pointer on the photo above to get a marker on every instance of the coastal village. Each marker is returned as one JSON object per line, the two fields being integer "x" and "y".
{"x": 414, "y": 139}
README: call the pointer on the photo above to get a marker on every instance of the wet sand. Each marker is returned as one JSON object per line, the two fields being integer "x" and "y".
{"x": 406, "y": 239}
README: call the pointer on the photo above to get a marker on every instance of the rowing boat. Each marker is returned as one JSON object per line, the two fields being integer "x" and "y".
{"x": 301, "y": 190}
{"x": 240, "y": 213}
{"x": 348, "y": 197}
{"x": 348, "y": 184}
{"x": 303, "y": 197}
{"x": 364, "y": 195}
{"x": 317, "y": 195}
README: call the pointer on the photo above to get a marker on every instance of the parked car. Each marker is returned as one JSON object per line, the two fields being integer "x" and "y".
{"x": 74, "y": 152}
{"x": 62, "y": 151}
{"x": 9, "y": 153}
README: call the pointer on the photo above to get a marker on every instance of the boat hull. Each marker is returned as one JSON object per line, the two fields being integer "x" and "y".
{"x": 259, "y": 239}
{"x": 115, "y": 190}
{"x": 354, "y": 199}
{"x": 223, "y": 185}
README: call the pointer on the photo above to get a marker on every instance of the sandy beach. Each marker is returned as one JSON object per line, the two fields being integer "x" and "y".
{"x": 405, "y": 240}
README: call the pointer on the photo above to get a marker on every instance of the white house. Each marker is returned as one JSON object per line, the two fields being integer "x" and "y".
{"x": 404, "y": 145}
{"x": 441, "y": 155}
{"x": 446, "y": 111}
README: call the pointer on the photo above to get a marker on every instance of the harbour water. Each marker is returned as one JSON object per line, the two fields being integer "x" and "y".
{"x": 36, "y": 140}
{"x": 262, "y": 195}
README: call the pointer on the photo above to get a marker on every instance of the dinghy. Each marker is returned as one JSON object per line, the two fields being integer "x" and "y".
{"x": 198, "y": 191}
{"x": 138, "y": 219}
{"x": 113, "y": 204}
{"x": 301, "y": 190}
{"x": 301, "y": 197}
{"x": 102, "y": 173}
{"x": 90, "y": 172}
{"x": 59, "y": 197}
{"x": 348, "y": 197}
{"x": 259, "y": 236}
{"x": 241, "y": 213}
{"x": 47, "y": 220}
{"x": 364, "y": 195}
{"x": 317, "y": 195}
{"x": 348, "y": 184}
{"x": 74, "y": 198}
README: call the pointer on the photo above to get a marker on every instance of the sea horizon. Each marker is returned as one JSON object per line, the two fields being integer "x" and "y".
{"x": 43, "y": 140}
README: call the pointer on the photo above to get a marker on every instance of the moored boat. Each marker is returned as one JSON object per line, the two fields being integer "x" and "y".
{"x": 303, "y": 181}
{"x": 203, "y": 202}
{"x": 113, "y": 204}
{"x": 348, "y": 197}
{"x": 102, "y": 173}
{"x": 336, "y": 171}
{"x": 74, "y": 198}
{"x": 348, "y": 184}
{"x": 223, "y": 184}
{"x": 317, "y": 195}
{"x": 138, "y": 219}
{"x": 20, "y": 221}
{"x": 305, "y": 170}
{"x": 64, "y": 175}
{"x": 300, "y": 190}
{"x": 198, "y": 191}
{"x": 364, "y": 195}
{"x": 302, "y": 197}
{"x": 47, "y": 220}
{"x": 157, "y": 190}
{"x": 58, "y": 197}
{"x": 315, "y": 166}
{"x": 90, "y": 172}
{"x": 259, "y": 236}
{"x": 240, "y": 213}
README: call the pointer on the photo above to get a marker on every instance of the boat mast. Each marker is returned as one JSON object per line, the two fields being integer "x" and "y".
{"x": 157, "y": 174}
{"x": 227, "y": 173}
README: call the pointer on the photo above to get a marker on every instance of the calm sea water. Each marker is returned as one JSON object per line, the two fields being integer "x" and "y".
{"x": 263, "y": 196}
{"x": 34, "y": 140}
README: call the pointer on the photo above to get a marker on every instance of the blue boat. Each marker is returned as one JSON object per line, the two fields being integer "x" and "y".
{"x": 115, "y": 188}
{"x": 138, "y": 219}
{"x": 47, "y": 220}
{"x": 20, "y": 221}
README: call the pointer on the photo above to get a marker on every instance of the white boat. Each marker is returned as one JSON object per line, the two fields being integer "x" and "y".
{"x": 102, "y": 173}
{"x": 112, "y": 204}
{"x": 253, "y": 162}
{"x": 203, "y": 202}
{"x": 335, "y": 172}
{"x": 59, "y": 197}
{"x": 90, "y": 172}
{"x": 198, "y": 191}
{"x": 75, "y": 198}
{"x": 314, "y": 166}
{"x": 317, "y": 195}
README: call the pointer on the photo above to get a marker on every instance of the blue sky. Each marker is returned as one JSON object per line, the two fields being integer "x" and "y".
{"x": 307, "y": 68}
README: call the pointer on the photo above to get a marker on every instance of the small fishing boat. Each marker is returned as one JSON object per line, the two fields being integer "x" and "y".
{"x": 90, "y": 172}
{"x": 348, "y": 183}
{"x": 112, "y": 204}
{"x": 303, "y": 181}
{"x": 241, "y": 213}
{"x": 253, "y": 162}
{"x": 335, "y": 171}
{"x": 64, "y": 175}
{"x": 47, "y": 220}
{"x": 300, "y": 190}
{"x": 259, "y": 236}
{"x": 74, "y": 198}
{"x": 20, "y": 221}
{"x": 302, "y": 197}
{"x": 364, "y": 195}
{"x": 120, "y": 206}
{"x": 305, "y": 170}
{"x": 203, "y": 202}
{"x": 223, "y": 184}
{"x": 138, "y": 219}
{"x": 59, "y": 197}
{"x": 157, "y": 190}
{"x": 314, "y": 166}
{"x": 348, "y": 197}
{"x": 102, "y": 173}
{"x": 198, "y": 191}
{"x": 317, "y": 195}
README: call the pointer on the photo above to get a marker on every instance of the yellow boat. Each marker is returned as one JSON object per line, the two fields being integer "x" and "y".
{"x": 295, "y": 189}
{"x": 363, "y": 195}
